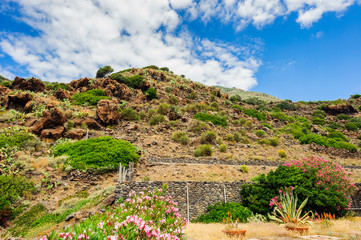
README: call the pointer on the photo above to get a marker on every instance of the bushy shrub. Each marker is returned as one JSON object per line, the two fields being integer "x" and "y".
{"x": 215, "y": 119}
{"x": 91, "y": 97}
{"x": 244, "y": 169}
{"x": 209, "y": 137}
{"x": 338, "y": 136}
{"x": 164, "y": 69}
{"x": 203, "y": 150}
{"x": 267, "y": 126}
{"x": 334, "y": 125}
{"x": 156, "y": 119}
{"x": 282, "y": 116}
{"x": 319, "y": 113}
{"x": 254, "y": 101}
{"x": 260, "y": 133}
{"x": 103, "y": 153}
{"x": 103, "y": 71}
{"x": 180, "y": 137}
{"x": 327, "y": 142}
{"x": 147, "y": 215}
{"x": 135, "y": 81}
{"x": 151, "y": 93}
{"x": 286, "y": 105}
{"x": 151, "y": 67}
{"x": 15, "y": 139}
{"x": 256, "y": 114}
{"x": 223, "y": 148}
{"x": 351, "y": 126}
{"x": 236, "y": 106}
{"x": 235, "y": 98}
{"x": 198, "y": 126}
{"x": 219, "y": 211}
{"x": 55, "y": 86}
{"x": 318, "y": 121}
{"x": 274, "y": 141}
{"x": 343, "y": 116}
{"x": 163, "y": 108}
{"x": 325, "y": 183}
{"x": 130, "y": 114}
{"x": 355, "y": 96}
{"x": 12, "y": 187}
{"x": 237, "y": 137}
{"x": 282, "y": 153}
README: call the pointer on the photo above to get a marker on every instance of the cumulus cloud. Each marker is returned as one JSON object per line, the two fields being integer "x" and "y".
{"x": 76, "y": 37}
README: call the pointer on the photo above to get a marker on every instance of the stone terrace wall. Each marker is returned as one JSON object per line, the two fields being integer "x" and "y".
{"x": 200, "y": 194}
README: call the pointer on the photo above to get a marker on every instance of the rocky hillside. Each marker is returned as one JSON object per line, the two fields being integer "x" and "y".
{"x": 235, "y": 92}
{"x": 178, "y": 130}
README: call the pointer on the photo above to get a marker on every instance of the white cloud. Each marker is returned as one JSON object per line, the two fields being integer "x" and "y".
{"x": 76, "y": 37}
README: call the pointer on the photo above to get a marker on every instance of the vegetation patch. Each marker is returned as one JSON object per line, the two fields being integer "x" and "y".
{"x": 256, "y": 114}
{"x": 215, "y": 119}
{"x": 91, "y": 97}
{"x": 203, "y": 150}
{"x": 103, "y": 153}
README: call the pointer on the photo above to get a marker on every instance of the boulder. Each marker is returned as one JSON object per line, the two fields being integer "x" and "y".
{"x": 52, "y": 118}
{"x": 77, "y": 133}
{"x": 109, "y": 200}
{"x": 54, "y": 133}
{"x": 338, "y": 109}
{"x": 62, "y": 94}
{"x": 29, "y": 106}
{"x": 32, "y": 84}
{"x": 18, "y": 100}
{"x": 107, "y": 112}
{"x": 92, "y": 124}
{"x": 4, "y": 91}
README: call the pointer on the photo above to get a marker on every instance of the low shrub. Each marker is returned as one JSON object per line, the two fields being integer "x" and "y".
{"x": 135, "y": 81}
{"x": 244, "y": 169}
{"x": 334, "y": 125}
{"x": 255, "y": 114}
{"x": 274, "y": 141}
{"x": 163, "y": 108}
{"x": 180, "y": 137}
{"x": 338, "y": 136}
{"x": 229, "y": 137}
{"x": 55, "y": 86}
{"x": 319, "y": 113}
{"x": 286, "y": 105}
{"x": 260, "y": 133}
{"x": 218, "y": 212}
{"x": 91, "y": 97}
{"x": 223, "y": 148}
{"x": 198, "y": 126}
{"x": 130, "y": 114}
{"x": 318, "y": 121}
{"x": 282, "y": 117}
{"x": 156, "y": 119}
{"x": 282, "y": 153}
{"x": 235, "y": 98}
{"x": 215, "y": 119}
{"x": 15, "y": 139}
{"x": 237, "y": 137}
{"x": 209, "y": 137}
{"x": 267, "y": 126}
{"x": 103, "y": 153}
{"x": 343, "y": 116}
{"x": 355, "y": 96}
{"x": 151, "y": 93}
{"x": 350, "y": 126}
{"x": 203, "y": 150}
{"x": 254, "y": 101}
{"x": 236, "y": 106}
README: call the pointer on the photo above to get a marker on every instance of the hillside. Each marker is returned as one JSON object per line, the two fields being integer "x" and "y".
{"x": 248, "y": 94}
{"x": 178, "y": 130}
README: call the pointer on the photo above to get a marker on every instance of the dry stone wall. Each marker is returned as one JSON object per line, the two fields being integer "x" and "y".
{"x": 200, "y": 194}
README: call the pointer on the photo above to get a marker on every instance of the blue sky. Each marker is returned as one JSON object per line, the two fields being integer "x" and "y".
{"x": 292, "y": 49}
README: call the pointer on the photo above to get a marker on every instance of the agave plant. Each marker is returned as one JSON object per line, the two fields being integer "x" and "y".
{"x": 286, "y": 211}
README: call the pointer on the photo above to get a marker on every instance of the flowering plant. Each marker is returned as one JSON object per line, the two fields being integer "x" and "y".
{"x": 286, "y": 211}
{"x": 147, "y": 215}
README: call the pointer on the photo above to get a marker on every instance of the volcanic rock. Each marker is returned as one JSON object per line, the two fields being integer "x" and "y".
{"x": 32, "y": 84}
{"x": 77, "y": 133}
{"x": 54, "y": 133}
{"x": 52, "y": 118}
{"x": 62, "y": 94}
{"x": 107, "y": 112}
{"x": 18, "y": 100}
{"x": 338, "y": 109}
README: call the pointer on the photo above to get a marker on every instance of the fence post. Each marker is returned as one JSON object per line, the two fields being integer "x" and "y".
{"x": 225, "y": 195}
{"x": 187, "y": 203}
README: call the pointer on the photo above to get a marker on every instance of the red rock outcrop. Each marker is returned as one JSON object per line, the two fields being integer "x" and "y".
{"x": 18, "y": 100}
{"x": 62, "y": 94}
{"x": 107, "y": 112}
{"x": 77, "y": 133}
{"x": 338, "y": 109}
{"x": 92, "y": 124}
{"x": 32, "y": 84}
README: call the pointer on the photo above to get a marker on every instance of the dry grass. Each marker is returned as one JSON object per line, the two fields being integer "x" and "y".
{"x": 349, "y": 228}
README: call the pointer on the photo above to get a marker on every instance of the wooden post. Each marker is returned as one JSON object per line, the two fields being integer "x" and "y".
{"x": 187, "y": 203}
{"x": 225, "y": 195}
{"x": 87, "y": 134}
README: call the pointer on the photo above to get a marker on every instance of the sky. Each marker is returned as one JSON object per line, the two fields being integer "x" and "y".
{"x": 292, "y": 49}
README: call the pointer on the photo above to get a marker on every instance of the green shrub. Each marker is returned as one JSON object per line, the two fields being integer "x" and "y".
{"x": 214, "y": 106}
{"x": 237, "y": 137}
{"x": 173, "y": 100}
{"x": 350, "y": 126}
{"x": 343, "y": 116}
{"x": 91, "y": 97}
{"x": 6, "y": 84}
{"x": 319, "y": 113}
{"x": 236, "y": 106}
{"x": 203, "y": 150}
{"x": 286, "y": 105}
{"x": 219, "y": 211}
{"x": 164, "y": 69}
{"x": 235, "y": 98}
{"x": 180, "y": 137}
{"x": 338, "y": 135}
{"x": 229, "y": 137}
{"x": 355, "y": 96}
{"x": 318, "y": 121}
{"x": 256, "y": 114}
{"x": 192, "y": 95}
{"x": 15, "y": 139}
{"x": 135, "y": 81}
{"x": 260, "y": 133}
{"x": 223, "y": 148}
{"x": 151, "y": 93}
{"x": 215, "y": 119}
{"x": 55, "y": 86}
{"x": 282, "y": 153}
{"x": 327, "y": 142}
{"x": 130, "y": 114}
{"x": 267, "y": 126}
{"x": 282, "y": 116}
{"x": 244, "y": 169}
{"x": 334, "y": 125}
{"x": 198, "y": 126}
{"x": 12, "y": 187}
{"x": 151, "y": 67}
{"x": 103, "y": 71}
{"x": 163, "y": 108}
{"x": 254, "y": 101}
{"x": 156, "y": 119}
{"x": 98, "y": 153}
{"x": 209, "y": 137}
{"x": 273, "y": 141}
